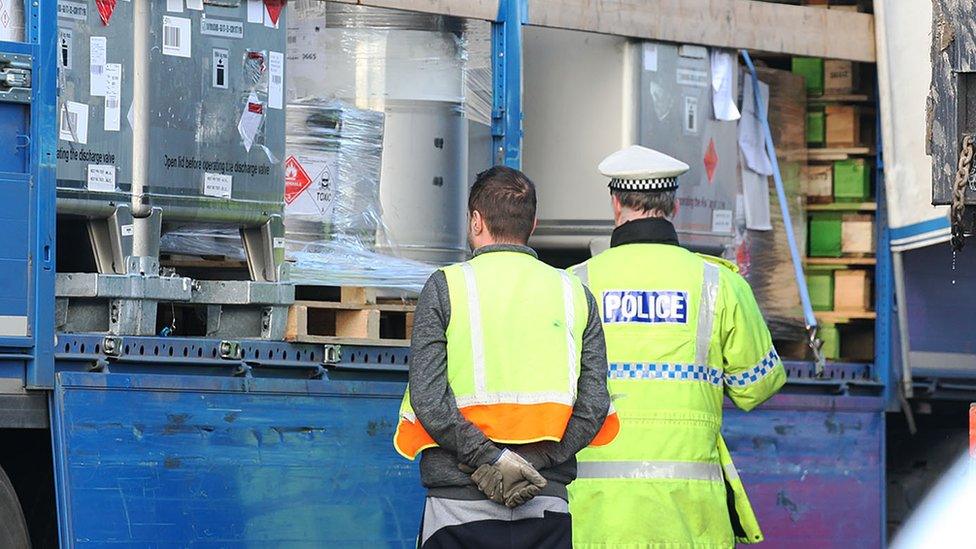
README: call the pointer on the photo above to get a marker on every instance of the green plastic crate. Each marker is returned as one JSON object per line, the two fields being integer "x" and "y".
{"x": 852, "y": 180}
{"x": 824, "y": 234}
{"x": 816, "y": 126}
{"x": 820, "y": 285}
{"x": 812, "y": 70}
{"x": 830, "y": 336}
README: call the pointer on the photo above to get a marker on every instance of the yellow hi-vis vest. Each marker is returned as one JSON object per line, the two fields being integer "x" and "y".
{"x": 513, "y": 351}
{"x": 681, "y": 331}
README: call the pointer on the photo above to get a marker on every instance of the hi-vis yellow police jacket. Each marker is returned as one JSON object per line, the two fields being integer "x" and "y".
{"x": 682, "y": 330}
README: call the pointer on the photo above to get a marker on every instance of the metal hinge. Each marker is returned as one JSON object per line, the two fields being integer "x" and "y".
{"x": 15, "y": 78}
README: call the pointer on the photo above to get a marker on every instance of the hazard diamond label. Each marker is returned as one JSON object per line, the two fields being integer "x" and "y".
{"x": 711, "y": 160}
{"x": 296, "y": 179}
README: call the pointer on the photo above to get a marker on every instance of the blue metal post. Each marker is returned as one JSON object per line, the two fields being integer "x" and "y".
{"x": 506, "y": 112}
{"x": 41, "y": 32}
{"x": 883, "y": 283}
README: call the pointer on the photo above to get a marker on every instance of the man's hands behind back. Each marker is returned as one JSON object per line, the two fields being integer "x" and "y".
{"x": 510, "y": 480}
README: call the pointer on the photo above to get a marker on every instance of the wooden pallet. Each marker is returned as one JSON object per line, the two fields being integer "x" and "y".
{"x": 354, "y": 317}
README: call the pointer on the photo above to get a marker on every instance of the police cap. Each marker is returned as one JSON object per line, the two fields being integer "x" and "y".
{"x": 638, "y": 168}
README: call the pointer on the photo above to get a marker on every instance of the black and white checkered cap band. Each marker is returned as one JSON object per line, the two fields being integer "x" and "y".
{"x": 660, "y": 184}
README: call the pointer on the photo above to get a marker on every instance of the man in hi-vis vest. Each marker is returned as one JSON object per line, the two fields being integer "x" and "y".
{"x": 508, "y": 381}
{"x": 682, "y": 331}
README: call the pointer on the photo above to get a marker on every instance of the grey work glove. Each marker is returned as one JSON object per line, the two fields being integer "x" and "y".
{"x": 509, "y": 480}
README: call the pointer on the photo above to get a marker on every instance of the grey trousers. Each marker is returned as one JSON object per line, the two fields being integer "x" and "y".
{"x": 544, "y": 522}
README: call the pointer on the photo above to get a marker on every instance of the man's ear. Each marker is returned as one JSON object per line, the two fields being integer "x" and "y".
{"x": 477, "y": 223}
{"x": 535, "y": 225}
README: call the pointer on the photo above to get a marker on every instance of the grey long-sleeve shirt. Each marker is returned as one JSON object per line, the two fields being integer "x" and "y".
{"x": 459, "y": 440}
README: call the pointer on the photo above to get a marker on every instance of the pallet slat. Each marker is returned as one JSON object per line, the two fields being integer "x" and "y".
{"x": 356, "y": 318}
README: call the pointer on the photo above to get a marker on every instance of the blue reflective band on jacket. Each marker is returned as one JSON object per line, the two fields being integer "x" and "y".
{"x": 658, "y": 306}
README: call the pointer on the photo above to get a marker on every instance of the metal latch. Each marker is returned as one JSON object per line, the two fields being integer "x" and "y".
{"x": 15, "y": 78}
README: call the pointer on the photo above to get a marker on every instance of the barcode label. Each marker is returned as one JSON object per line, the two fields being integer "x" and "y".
{"x": 97, "y": 70}
{"x": 176, "y": 36}
{"x": 276, "y": 72}
{"x": 113, "y": 91}
{"x": 69, "y": 120}
{"x": 171, "y": 38}
{"x": 74, "y": 122}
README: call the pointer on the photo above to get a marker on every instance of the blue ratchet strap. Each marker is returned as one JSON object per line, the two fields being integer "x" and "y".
{"x": 801, "y": 279}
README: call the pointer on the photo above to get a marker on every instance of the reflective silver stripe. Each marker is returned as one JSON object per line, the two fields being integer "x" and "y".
{"x": 477, "y": 333}
{"x": 572, "y": 356}
{"x": 582, "y": 271}
{"x": 650, "y": 469}
{"x": 706, "y": 312}
{"x": 731, "y": 474}
{"x": 516, "y": 398}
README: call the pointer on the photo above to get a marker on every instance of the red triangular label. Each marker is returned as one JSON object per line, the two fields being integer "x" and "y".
{"x": 274, "y": 8}
{"x": 105, "y": 10}
{"x": 711, "y": 160}
{"x": 296, "y": 179}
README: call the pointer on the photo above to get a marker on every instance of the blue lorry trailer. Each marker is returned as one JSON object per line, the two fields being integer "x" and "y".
{"x": 175, "y": 442}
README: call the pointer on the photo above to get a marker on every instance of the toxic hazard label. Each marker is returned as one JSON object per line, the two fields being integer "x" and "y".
{"x": 310, "y": 185}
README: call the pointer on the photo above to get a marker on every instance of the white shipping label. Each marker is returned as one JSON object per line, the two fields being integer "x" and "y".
{"x": 276, "y": 75}
{"x": 128, "y": 230}
{"x": 194, "y": 5}
{"x": 650, "y": 56}
{"x": 690, "y": 118}
{"x": 217, "y": 184}
{"x": 174, "y": 6}
{"x": 223, "y": 28}
{"x": 221, "y": 58}
{"x": 255, "y": 11}
{"x": 98, "y": 53}
{"x": 278, "y": 242}
{"x": 250, "y": 121}
{"x": 113, "y": 97}
{"x": 722, "y": 221}
{"x": 693, "y": 77}
{"x": 73, "y": 10}
{"x": 64, "y": 48}
{"x": 101, "y": 178}
{"x": 74, "y": 122}
{"x": 176, "y": 36}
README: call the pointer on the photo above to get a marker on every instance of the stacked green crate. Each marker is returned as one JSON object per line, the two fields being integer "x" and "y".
{"x": 812, "y": 70}
{"x": 824, "y": 234}
{"x": 852, "y": 180}
{"x": 820, "y": 286}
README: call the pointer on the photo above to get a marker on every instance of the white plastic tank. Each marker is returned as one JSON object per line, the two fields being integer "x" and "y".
{"x": 409, "y": 66}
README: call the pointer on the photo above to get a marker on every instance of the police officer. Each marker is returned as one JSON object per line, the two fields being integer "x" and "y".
{"x": 682, "y": 330}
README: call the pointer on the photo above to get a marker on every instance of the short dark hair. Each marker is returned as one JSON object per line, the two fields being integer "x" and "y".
{"x": 647, "y": 201}
{"x": 505, "y": 197}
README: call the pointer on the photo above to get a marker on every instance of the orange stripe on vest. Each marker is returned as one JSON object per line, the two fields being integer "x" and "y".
{"x": 506, "y": 424}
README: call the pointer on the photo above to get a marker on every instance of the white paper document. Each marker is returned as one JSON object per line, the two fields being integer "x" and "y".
{"x": 73, "y": 122}
{"x": 276, "y": 76}
{"x": 98, "y": 53}
{"x": 113, "y": 97}
{"x": 255, "y": 11}
{"x": 752, "y": 141}
{"x": 250, "y": 121}
{"x": 755, "y": 198}
{"x": 723, "y": 75}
